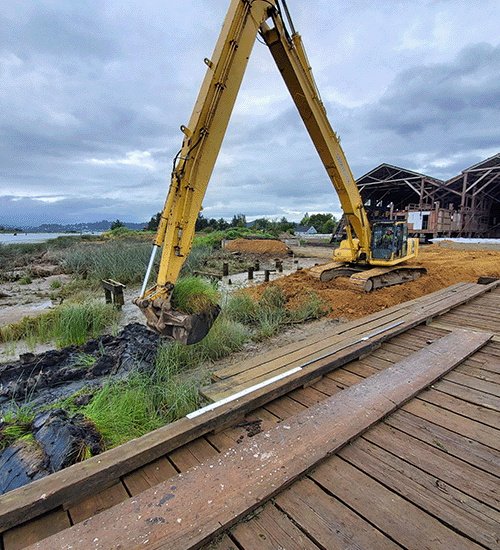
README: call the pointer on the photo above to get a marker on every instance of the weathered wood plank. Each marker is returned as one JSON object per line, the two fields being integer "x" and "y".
{"x": 97, "y": 503}
{"x": 328, "y": 521}
{"x": 404, "y": 522}
{"x": 467, "y": 408}
{"x": 269, "y": 530}
{"x": 436, "y": 462}
{"x": 232, "y": 484}
{"x": 149, "y": 475}
{"x": 455, "y": 294}
{"x": 192, "y": 454}
{"x": 456, "y": 444}
{"x": 445, "y": 324}
{"x": 38, "y": 529}
{"x": 247, "y": 377}
{"x": 223, "y": 543}
{"x": 470, "y": 395}
{"x": 474, "y": 383}
{"x": 472, "y": 429}
{"x": 462, "y": 512}
{"x": 314, "y": 345}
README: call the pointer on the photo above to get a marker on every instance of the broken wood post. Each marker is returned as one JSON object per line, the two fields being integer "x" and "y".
{"x": 113, "y": 292}
{"x": 225, "y": 269}
{"x": 250, "y": 273}
{"x": 266, "y": 275}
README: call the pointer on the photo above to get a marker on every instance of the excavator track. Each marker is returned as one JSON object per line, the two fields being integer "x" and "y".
{"x": 366, "y": 279}
{"x": 331, "y": 270}
{"x": 379, "y": 277}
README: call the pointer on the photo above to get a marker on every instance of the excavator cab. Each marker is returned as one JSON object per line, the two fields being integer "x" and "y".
{"x": 389, "y": 240}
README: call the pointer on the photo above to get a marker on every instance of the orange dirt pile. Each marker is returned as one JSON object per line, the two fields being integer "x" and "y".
{"x": 258, "y": 246}
{"x": 445, "y": 267}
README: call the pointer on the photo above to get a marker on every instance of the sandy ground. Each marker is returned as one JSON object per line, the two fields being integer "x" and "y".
{"x": 445, "y": 264}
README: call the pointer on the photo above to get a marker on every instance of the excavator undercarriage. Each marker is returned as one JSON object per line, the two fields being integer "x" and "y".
{"x": 366, "y": 278}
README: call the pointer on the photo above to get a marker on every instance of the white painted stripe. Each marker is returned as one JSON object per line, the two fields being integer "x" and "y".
{"x": 251, "y": 389}
{"x": 242, "y": 393}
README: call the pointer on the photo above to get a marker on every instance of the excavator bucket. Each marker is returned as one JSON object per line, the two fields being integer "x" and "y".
{"x": 181, "y": 327}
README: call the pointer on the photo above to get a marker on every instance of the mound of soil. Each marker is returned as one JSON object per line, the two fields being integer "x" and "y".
{"x": 445, "y": 267}
{"x": 258, "y": 246}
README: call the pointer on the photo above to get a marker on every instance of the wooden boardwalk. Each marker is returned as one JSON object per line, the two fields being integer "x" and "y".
{"x": 425, "y": 474}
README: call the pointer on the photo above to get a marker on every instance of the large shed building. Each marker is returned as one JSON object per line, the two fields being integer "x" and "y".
{"x": 467, "y": 205}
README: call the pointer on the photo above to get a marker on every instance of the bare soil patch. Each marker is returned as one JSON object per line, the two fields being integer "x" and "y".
{"x": 445, "y": 267}
{"x": 259, "y": 246}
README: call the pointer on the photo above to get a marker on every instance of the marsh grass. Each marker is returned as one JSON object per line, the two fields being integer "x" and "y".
{"x": 146, "y": 401}
{"x": 273, "y": 311}
{"x": 66, "y": 324}
{"x": 18, "y": 426}
{"x": 124, "y": 260}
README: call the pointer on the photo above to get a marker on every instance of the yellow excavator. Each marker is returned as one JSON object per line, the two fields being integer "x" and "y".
{"x": 372, "y": 258}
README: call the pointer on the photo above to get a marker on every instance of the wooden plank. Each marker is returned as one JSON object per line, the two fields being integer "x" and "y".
{"x": 445, "y": 324}
{"x": 467, "y": 408}
{"x": 457, "y": 293}
{"x": 36, "y": 530}
{"x": 436, "y": 462}
{"x": 329, "y": 521}
{"x": 192, "y": 454}
{"x": 288, "y": 360}
{"x": 284, "y": 407}
{"x": 149, "y": 475}
{"x": 399, "y": 519}
{"x": 252, "y": 369}
{"x": 228, "y": 486}
{"x": 97, "y": 503}
{"x": 470, "y": 428}
{"x": 362, "y": 326}
{"x": 301, "y": 349}
{"x": 474, "y": 383}
{"x": 269, "y": 530}
{"x": 239, "y": 382}
{"x": 468, "y": 394}
{"x": 222, "y": 543}
{"x": 459, "y": 445}
{"x": 466, "y": 515}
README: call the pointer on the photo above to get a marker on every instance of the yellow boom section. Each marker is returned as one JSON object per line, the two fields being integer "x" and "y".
{"x": 204, "y": 135}
{"x": 292, "y": 63}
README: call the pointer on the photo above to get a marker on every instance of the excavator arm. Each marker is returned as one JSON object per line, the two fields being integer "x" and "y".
{"x": 193, "y": 166}
{"x": 290, "y": 57}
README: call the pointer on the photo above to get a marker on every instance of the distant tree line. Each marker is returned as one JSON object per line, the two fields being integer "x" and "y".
{"x": 323, "y": 223}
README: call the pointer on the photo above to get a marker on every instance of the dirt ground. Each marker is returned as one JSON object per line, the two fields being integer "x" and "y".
{"x": 444, "y": 263}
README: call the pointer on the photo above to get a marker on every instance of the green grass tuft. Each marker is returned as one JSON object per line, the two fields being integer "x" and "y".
{"x": 67, "y": 324}
{"x": 194, "y": 295}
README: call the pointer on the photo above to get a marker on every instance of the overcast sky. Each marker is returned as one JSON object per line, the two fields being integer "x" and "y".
{"x": 93, "y": 93}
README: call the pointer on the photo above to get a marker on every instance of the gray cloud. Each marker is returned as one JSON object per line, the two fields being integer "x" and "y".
{"x": 93, "y": 94}
{"x": 441, "y": 95}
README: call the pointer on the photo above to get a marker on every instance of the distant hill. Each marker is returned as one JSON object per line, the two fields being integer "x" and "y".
{"x": 103, "y": 225}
